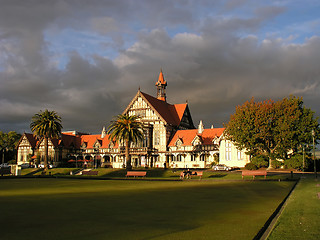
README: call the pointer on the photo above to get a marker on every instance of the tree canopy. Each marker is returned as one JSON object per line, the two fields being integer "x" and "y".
{"x": 8, "y": 143}
{"x": 126, "y": 129}
{"x": 46, "y": 125}
{"x": 272, "y": 128}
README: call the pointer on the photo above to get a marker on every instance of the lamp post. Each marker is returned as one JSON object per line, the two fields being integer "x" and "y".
{"x": 314, "y": 154}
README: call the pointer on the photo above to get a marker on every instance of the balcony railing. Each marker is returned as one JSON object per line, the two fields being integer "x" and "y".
{"x": 137, "y": 150}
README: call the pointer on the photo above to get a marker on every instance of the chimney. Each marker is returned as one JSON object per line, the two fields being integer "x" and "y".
{"x": 104, "y": 132}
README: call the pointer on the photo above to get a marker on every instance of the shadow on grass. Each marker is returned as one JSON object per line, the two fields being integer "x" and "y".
{"x": 219, "y": 175}
{"x": 34, "y": 172}
{"x": 151, "y": 172}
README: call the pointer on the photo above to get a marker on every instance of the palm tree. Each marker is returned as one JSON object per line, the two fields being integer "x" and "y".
{"x": 126, "y": 129}
{"x": 46, "y": 125}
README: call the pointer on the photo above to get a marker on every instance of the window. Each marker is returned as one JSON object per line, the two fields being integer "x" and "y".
{"x": 228, "y": 151}
{"x": 203, "y": 157}
{"x": 140, "y": 113}
{"x": 193, "y": 157}
{"x": 180, "y": 158}
{"x": 239, "y": 155}
{"x": 156, "y": 138}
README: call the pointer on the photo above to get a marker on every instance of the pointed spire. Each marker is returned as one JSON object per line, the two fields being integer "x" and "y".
{"x": 161, "y": 80}
{"x": 200, "y": 127}
{"x": 161, "y": 87}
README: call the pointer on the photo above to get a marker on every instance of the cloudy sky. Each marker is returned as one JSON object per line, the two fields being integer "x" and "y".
{"x": 87, "y": 59}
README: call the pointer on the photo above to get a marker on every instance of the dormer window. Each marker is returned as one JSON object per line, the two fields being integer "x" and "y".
{"x": 179, "y": 143}
{"x": 84, "y": 145}
{"x": 111, "y": 145}
{"x": 197, "y": 141}
{"x": 97, "y": 144}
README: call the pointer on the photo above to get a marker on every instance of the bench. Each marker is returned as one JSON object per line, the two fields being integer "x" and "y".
{"x": 254, "y": 173}
{"x": 197, "y": 174}
{"x": 90, "y": 173}
{"x": 136, "y": 174}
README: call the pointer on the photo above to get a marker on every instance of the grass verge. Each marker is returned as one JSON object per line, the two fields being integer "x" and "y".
{"x": 301, "y": 217}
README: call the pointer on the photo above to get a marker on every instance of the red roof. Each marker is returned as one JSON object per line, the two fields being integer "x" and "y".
{"x": 187, "y": 136}
{"x": 90, "y": 140}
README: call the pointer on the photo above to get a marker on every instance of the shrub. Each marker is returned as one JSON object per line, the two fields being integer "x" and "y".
{"x": 260, "y": 161}
{"x": 13, "y": 161}
{"x": 296, "y": 162}
{"x": 251, "y": 166}
{"x": 276, "y": 164}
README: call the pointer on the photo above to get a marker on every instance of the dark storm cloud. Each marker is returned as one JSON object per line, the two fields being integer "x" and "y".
{"x": 215, "y": 62}
{"x": 216, "y": 74}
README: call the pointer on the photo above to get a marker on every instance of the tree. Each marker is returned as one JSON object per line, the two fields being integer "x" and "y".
{"x": 272, "y": 128}
{"x": 8, "y": 143}
{"x": 46, "y": 125}
{"x": 126, "y": 129}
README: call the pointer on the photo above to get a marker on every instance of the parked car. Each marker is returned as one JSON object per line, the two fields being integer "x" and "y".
{"x": 42, "y": 166}
{"x": 222, "y": 167}
{"x": 24, "y": 165}
{"x": 4, "y": 165}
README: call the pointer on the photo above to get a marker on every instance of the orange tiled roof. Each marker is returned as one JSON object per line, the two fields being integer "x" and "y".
{"x": 70, "y": 140}
{"x": 90, "y": 140}
{"x": 187, "y": 136}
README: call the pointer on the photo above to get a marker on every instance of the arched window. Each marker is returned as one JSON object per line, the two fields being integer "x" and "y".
{"x": 203, "y": 157}
{"x": 228, "y": 151}
{"x": 180, "y": 158}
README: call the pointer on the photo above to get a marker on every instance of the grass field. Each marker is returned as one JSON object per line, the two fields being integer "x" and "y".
{"x": 49, "y": 208}
{"x": 301, "y": 216}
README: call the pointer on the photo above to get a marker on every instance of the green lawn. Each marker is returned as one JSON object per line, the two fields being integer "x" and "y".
{"x": 301, "y": 216}
{"x": 49, "y": 208}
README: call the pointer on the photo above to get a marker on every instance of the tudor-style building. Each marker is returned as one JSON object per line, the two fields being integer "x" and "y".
{"x": 171, "y": 140}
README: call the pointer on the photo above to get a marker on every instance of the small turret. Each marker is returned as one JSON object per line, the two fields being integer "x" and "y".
{"x": 161, "y": 87}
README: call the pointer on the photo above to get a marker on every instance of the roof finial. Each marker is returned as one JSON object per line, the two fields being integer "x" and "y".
{"x": 200, "y": 127}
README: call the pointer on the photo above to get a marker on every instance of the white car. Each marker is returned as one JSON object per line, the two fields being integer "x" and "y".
{"x": 221, "y": 167}
{"x": 42, "y": 166}
{"x": 4, "y": 165}
{"x": 24, "y": 165}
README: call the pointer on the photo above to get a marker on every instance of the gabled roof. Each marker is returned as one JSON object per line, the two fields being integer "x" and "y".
{"x": 72, "y": 141}
{"x": 207, "y": 136}
{"x": 31, "y": 139}
{"x": 170, "y": 114}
